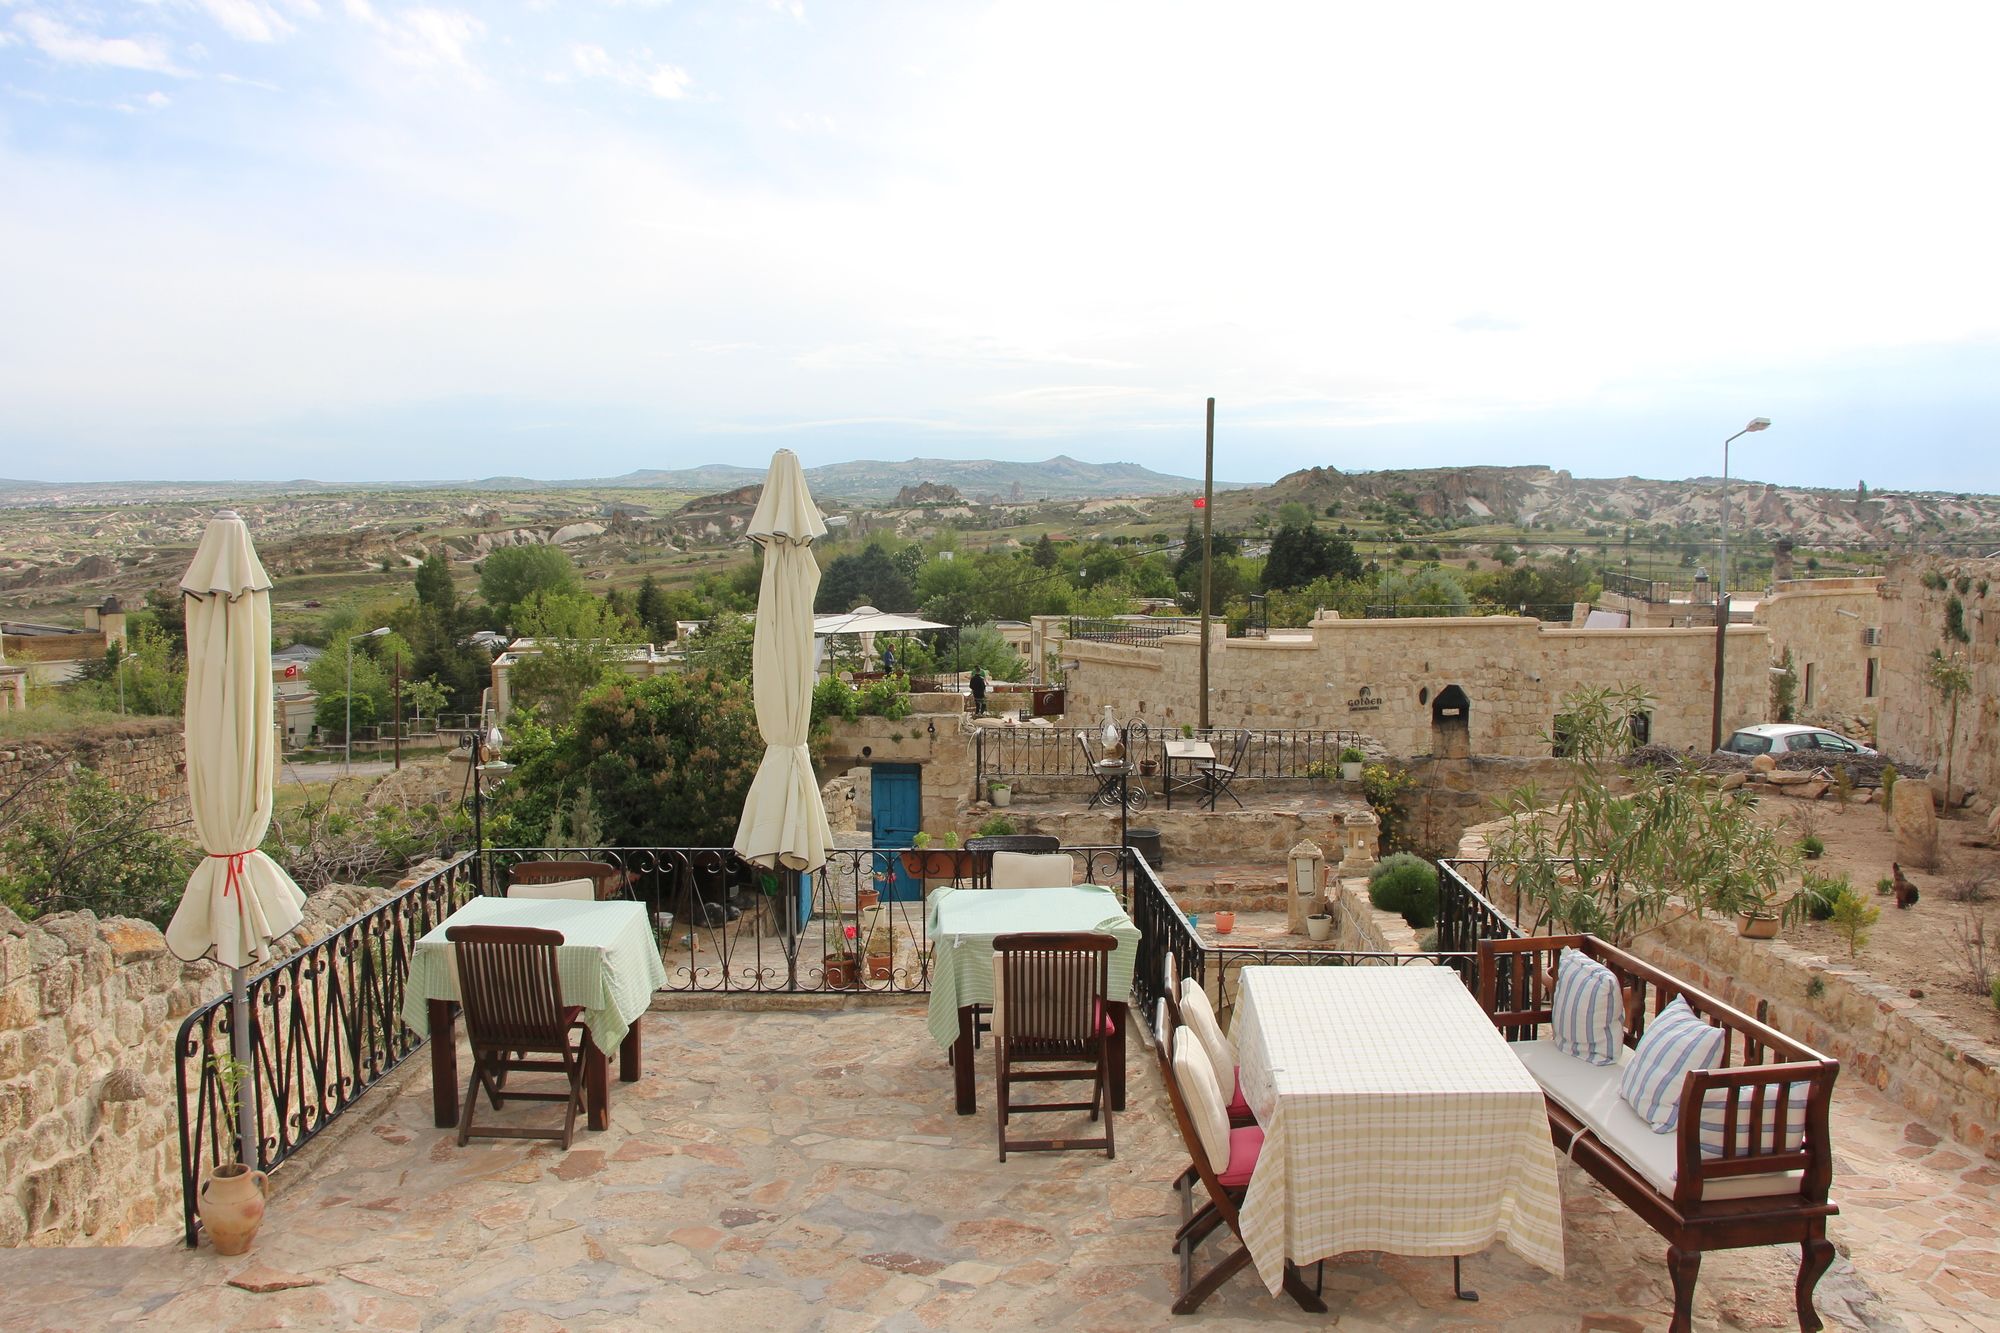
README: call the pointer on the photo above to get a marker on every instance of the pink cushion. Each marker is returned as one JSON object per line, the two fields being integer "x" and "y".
{"x": 1106, "y": 1023}
{"x": 1244, "y": 1145}
{"x": 1239, "y": 1107}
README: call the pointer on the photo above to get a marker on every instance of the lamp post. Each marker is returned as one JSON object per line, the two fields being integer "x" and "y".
{"x": 123, "y": 658}
{"x": 1722, "y": 581}
{"x": 481, "y": 743}
{"x": 347, "y": 734}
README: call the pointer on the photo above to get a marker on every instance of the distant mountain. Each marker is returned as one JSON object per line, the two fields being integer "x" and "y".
{"x": 1059, "y": 478}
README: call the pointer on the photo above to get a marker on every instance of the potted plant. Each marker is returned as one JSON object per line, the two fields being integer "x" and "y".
{"x": 1351, "y": 759}
{"x": 1319, "y": 927}
{"x": 879, "y": 946}
{"x": 1001, "y": 793}
{"x": 1225, "y": 921}
{"x": 842, "y": 963}
{"x": 923, "y": 863}
{"x": 231, "y": 1198}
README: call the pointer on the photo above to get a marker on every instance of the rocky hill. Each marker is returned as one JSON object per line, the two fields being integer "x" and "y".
{"x": 1547, "y": 498}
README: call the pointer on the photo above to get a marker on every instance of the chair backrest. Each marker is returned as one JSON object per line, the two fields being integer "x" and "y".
{"x": 601, "y": 873}
{"x": 568, "y": 890}
{"x": 1014, "y": 842}
{"x": 508, "y": 986}
{"x": 1083, "y": 744}
{"x": 1029, "y": 870}
{"x": 1190, "y": 1136}
{"x": 1236, "y": 751}
{"x": 1049, "y": 988}
{"x": 1170, "y": 992}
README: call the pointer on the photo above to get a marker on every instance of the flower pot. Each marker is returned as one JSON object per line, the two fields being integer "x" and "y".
{"x": 881, "y": 967}
{"x": 1001, "y": 793}
{"x": 934, "y": 864}
{"x": 1148, "y": 767}
{"x": 866, "y": 898}
{"x": 843, "y": 971}
{"x": 1225, "y": 922}
{"x": 1350, "y": 772}
{"x": 1756, "y": 926}
{"x": 231, "y": 1204}
{"x": 1319, "y": 928}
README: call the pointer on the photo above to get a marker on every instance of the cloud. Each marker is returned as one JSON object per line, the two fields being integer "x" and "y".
{"x": 422, "y": 37}
{"x": 661, "y": 80}
{"x": 1484, "y": 322}
{"x": 67, "y": 46}
{"x": 248, "y": 20}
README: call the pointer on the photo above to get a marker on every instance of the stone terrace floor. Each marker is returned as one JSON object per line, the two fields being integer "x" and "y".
{"x": 803, "y": 1170}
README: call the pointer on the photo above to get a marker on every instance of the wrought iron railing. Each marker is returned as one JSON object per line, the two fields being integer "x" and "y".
{"x": 1052, "y": 752}
{"x": 1131, "y": 629}
{"x": 1465, "y": 914}
{"x": 326, "y": 1024}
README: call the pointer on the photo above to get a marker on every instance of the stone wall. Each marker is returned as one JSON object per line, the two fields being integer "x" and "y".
{"x": 935, "y": 736}
{"x": 1825, "y": 623}
{"x": 1455, "y": 794}
{"x": 141, "y": 756}
{"x": 1346, "y": 832}
{"x": 89, "y": 1008}
{"x": 1383, "y": 677}
{"x": 1911, "y": 722}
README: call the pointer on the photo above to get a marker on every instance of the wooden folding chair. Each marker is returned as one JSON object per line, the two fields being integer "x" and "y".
{"x": 511, "y": 996}
{"x": 608, "y": 878}
{"x": 1220, "y": 776}
{"x": 1050, "y": 1023}
{"x": 1180, "y": 1056}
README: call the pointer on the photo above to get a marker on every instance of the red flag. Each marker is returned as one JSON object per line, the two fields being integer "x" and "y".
{"x": 1201, "y": 502}
{"x": 291, "y": 671}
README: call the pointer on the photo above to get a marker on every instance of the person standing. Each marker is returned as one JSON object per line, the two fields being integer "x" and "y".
{"x": 978, "y": 692}
{"x": 888, "y": 659}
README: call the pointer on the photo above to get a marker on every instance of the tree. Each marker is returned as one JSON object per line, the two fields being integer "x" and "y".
{"x": 723, "y": 646}
{"x": 170, "y": 614}
{"x": 510, "y": 574}
{"x": 576, "y": 637}
{"x": 868, "y": 577}
{"x": 949, "y": 591}
{"x": 667, "y": 762}
{"x": 652, "y": 611}
{"x": 1423, "y": 592}
{"x": 97, "y": 848}
{"x": 1950, "y": 680}
{"x": 986, "y": 647}
{"x": 1045, "y": 553}
{"x": 1303, "y": 553}
{"x": 435, "y": 590}
{"x": 330, "y": 714}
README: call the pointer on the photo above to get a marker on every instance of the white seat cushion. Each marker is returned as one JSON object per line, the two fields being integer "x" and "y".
{"x": 1199, "y": 1016}
{"x": 1203, "y": 1096}
{"x": 1590, "y": 1093}
{"x": 1033, "y": 870}
{"x": 572, "y": 890}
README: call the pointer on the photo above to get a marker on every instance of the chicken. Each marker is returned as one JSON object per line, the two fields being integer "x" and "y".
{"x": 1906, "y": 892}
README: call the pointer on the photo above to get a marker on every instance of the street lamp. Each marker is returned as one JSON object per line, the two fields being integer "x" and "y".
{"x": 482, "y": 743}
{"x": 347, "y": 736}
{"x": 1722, "y": 581}
{"x": 123, "y": 658}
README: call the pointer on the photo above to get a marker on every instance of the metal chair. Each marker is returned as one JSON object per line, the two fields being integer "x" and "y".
{"x": 1219, "y": 776}
{"x": 1114, "y": 780}
{"x": 511, "y": 995}
{"x": 1050, "y": 1024}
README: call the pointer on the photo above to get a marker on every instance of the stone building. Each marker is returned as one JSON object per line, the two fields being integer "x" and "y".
{"x": 1833, "y": 630}
{"x": 1487, "y": 685}
{"x": 53, "y": 654}
{"x": 1948, "y": 605}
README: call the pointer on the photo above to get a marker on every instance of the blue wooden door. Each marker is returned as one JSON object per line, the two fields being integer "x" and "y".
{"x": 896, "y": 796}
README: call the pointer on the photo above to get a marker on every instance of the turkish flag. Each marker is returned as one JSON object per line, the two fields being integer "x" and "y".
{"x": 1201, "y": 502}
{"x": 292, "y": 671}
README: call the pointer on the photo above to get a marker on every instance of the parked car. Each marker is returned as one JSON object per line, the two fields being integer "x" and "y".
{"x": 1789, "y": 737}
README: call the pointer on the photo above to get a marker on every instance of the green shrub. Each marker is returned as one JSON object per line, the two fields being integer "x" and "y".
{"x": 1825, "y": 893}
{"x": 1994, "y": 990}
{"x": 1853, "y": 919}
{"x": 997, "y": 827}
{"x": 1884, "y": 887}
{"x": 888, "y": 697}
{"x": 1813, "y": 846}
{"x": 834, "y": 697}
{"x": 1408, "y": 885}
{"x": 1352, "y": 755}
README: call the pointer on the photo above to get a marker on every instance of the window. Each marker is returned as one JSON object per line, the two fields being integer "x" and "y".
{"x": 1745, "y": 742}
{"x": 1809, "y": 685}
{"x": 1872, "y": 680}
{"x": 1641, "y": 727}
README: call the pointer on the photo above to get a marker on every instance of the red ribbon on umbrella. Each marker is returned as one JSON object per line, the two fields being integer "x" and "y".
{"x": 230, "y": 884}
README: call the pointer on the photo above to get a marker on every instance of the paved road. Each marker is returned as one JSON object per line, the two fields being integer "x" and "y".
{"x": 363, "y": 768}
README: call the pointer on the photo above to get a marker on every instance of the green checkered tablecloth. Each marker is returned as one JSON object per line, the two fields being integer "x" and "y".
{"x": 963, "y": 922}
{"x": 607, "y": 960}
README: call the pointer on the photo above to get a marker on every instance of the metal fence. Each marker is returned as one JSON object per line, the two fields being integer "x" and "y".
{"x": 1053, "y": 752}
{"x": 326, "y": 1025}
{"x": 1132, "y": 629}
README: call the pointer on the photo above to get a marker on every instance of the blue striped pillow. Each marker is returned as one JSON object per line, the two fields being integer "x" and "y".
{"x": 1588, "y": 1012}
{"x": 1674, "y": 1042}
{"x": 1771, "y": 1136}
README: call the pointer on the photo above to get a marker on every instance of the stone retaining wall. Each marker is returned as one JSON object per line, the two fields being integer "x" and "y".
{"x": 142, "y": 756}
{"x": 1936, "y": 1070}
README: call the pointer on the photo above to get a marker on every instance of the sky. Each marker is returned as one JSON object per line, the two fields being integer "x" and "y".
{"x": 367, "y": 240}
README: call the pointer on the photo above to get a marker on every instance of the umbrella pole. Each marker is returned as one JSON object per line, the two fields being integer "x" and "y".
{"x": 246, "y": 1088}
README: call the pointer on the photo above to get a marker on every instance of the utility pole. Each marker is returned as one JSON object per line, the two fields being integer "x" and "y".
{"x": 1207, "y": 552}
{"x": 396, "y": 699}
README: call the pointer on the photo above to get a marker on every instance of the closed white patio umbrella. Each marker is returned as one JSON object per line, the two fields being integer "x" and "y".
{"x": 784, "y": 822}
{"x": 238, "y": 900}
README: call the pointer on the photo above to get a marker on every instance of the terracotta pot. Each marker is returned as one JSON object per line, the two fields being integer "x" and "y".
{"x": 1319, "y": 928}
{"x": 1754, "y": 927}
{"x": 935, "y": 864}
{"x": 1225, "y": 922}
{"x": 231, "y": 1205}
{"x": 866, "y": 898}
{"x": 881, "y": 967}
{"x": 843, "y": 971}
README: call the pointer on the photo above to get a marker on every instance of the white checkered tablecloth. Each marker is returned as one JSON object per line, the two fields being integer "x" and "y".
{"x": 1395, "y": 1119}
{"x": 607, "y": 961}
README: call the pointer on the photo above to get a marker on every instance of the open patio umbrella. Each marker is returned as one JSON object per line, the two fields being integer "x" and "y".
{"x": 238, "y": 900}
{"x": 784, "y": 822}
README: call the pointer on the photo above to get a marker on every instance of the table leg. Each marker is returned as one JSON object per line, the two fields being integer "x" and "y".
{"x": 1116, "y": 1010}
{"x": 628, "y": 1055}
{"x": 596, "y": 1085}
{"x": 961, "y": 1064}
{"x": 1295, "y": 1287}
{"x": 444, "y": 1063}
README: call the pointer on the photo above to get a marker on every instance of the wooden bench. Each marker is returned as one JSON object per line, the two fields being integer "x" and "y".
{"x": 1767, "y": 1188}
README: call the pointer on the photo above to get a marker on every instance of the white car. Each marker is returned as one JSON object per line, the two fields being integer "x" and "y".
{"x": 1790, "y": 737}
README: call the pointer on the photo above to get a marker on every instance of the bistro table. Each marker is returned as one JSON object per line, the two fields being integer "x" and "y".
{"x": 1395, "y": 1119}
{"x": 1188, "y": 752}
{"x": 607, "y": 961}
{"x": 962, "y": 925}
